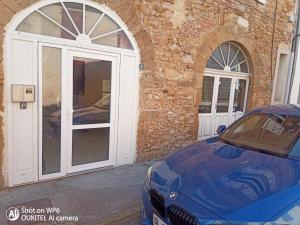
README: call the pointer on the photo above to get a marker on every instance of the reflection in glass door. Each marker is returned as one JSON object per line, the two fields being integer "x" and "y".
{"x": 223, "y": 100}
{"x": 77, "y": 110}
{"x": 239, "y": 95}
{"x": 91, "y": 110}
{"x": 50, "y": 110}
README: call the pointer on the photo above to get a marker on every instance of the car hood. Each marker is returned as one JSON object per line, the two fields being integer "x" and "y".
{"x": 232, "y": 182}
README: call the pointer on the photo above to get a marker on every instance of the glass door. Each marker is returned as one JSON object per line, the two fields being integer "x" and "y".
{"x": 91, "y": 110}
{"x": 240, "y": 89}
{"x": 222, "y": 104}
{"x": 51, "y": 111}
{"x": 223, "y": 101}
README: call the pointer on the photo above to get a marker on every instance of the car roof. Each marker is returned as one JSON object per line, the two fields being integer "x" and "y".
{"x": 284, "y": 109}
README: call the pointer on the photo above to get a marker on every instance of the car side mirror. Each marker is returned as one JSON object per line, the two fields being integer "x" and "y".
{"x": 220, "y": 129}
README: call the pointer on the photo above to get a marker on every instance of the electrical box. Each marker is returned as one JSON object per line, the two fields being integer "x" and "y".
{"x": 22, "y": 93}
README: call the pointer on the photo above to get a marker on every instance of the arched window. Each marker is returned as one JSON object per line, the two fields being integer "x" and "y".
{"x": 229, "y": 57}
{"x": 75, "y": 21}
{"x": 225, "y": 88}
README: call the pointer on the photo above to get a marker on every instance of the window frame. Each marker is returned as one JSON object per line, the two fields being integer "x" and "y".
{"x": 281, "y": 51}
{"x": 11, "y": 28}
{"x": 227, "y": 66}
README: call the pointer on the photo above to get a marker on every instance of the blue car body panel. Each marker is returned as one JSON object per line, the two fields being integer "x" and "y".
{"x": 217, "y": 182}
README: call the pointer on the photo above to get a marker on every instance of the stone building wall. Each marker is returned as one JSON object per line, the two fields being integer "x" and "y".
{"x": 176, "y": 38}
{"x": 184, "y": 34}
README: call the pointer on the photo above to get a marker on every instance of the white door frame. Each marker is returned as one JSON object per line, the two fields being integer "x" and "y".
{"x": 66, "y": 112}
{"x": 217, "y": 74}
{"x": 12, "y": 35}
{"x": 40, "y": 41}
{"x": 113, "y": 110}
{"x": 63, "y": 112}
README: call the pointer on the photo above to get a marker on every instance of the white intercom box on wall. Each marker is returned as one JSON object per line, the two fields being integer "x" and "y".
{"x": 22, "y": 93}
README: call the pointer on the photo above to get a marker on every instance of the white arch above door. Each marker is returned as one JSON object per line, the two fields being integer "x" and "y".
{"x": 94, "y": 17}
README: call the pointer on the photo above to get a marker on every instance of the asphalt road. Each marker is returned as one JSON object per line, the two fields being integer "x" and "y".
{"x": 108, "y": 197}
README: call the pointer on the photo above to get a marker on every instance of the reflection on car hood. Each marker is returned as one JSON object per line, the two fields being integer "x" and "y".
{"x": 232, "y": 182}
{"x": 87, "y": 110}
{"x": 80, "y": 112}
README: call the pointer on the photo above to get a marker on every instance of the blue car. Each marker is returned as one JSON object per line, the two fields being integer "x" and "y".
{"x": 248, "y": 174}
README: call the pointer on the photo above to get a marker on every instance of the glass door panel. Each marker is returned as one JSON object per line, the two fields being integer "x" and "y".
{"x": 207, "y": 95}
{"x": 51, "y": 110}
{"x": 90, "y": 145}
{"x": 222, "y": 105}
{"x": 91, "y": 110}
{"x": 91, "y": 91}
{"x": 239, "y": 95}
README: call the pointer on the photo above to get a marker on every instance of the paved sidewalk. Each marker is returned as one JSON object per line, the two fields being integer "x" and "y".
{"x": 108, "y": 197}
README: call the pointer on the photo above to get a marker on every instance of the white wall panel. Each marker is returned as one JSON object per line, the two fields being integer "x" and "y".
{"x": 23, "y": 121}
{"x": 126, "y": 123}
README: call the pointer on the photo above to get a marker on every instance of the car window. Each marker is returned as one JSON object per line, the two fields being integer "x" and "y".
{"x": 272, "y": 133}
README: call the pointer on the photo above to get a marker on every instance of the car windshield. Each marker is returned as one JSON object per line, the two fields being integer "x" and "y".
{"x": 270, "y": 133}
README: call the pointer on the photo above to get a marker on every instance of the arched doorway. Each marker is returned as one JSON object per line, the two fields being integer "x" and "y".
{"x": 225, "y": 88}
{"x": 72, "y": 71}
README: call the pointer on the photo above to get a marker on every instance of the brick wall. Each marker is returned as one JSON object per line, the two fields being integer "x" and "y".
{"x": 176, "y": 38}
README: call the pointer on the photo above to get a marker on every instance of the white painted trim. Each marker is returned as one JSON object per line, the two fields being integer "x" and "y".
{"x": 8, "y": 111}
{"x": 280, "y": 51}
{"x": 296, "y": 80}
{"x": 231, "y": 96}
{"x": 8, "y": 164}
{"x": 113, "y": 110}
{"x": 246, "y": 95}
{"x": 63, "y": 112}
{"x": 213, "y": 72}
{"x": 135, "y": 115}
{"x": 56, "y": 23}
{"x": 19, "y": 17}
{"x": 83, "y": 18}
{"x": 96, "y": 24}
{"x": 90, "y": 126}
{"x": 234, "y": 76}
{"x": 70, "y": 17}
{"x": 66, "y": 167}
{"x": 226, "y": 65}
{"x": 35, "y": 115}
{"x": 237, "y": 52}
{"x": 106, "y": 34}
{"x": 71, "y": 43}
